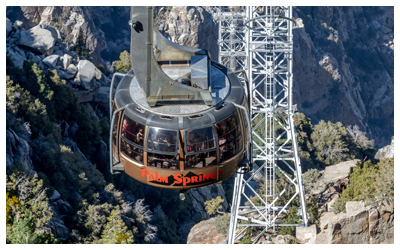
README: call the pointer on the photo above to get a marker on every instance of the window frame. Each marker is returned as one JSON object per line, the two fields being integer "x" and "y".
{"x": 238, "y": 137}
{"x": 126, "y": 139}
{"x": 204, "y": 151}
{"x": 168, "y": 169}
{"x": 134, "y": 145}
{"x": 161, "y": 152}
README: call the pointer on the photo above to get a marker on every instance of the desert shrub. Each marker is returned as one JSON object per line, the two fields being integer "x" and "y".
{"x": 360, "y": 145}
{"x": 331, "y": 142}
{"x": 338, "y": 206}
{"x": 362, "y": 182}
{"x": 384, "y": 183}
{"x": 310, "y": 178}
{"x": 222, "y": 223}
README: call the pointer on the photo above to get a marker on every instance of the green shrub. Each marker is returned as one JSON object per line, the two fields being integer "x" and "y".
{"x": 222, "y": 223}
{"x": 310, "y": 178}
{"x": 290, "y": 218}
{"x": 312, "y": 209}
{"x": 384, "y": 183}
{"x": 338, "y": 206}
{"x": 214, "y": 205}
{"x": 362, "y": 182}
{"x": 331, "y": 142}
{"x": 124, "y": 62}
{"x": 246, "y": 240}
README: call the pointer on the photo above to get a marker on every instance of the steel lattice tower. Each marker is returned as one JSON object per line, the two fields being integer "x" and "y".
{"x": 265, "y": 34}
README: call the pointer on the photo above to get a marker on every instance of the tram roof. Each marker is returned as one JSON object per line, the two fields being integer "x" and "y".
{"x": 178, "y": 116}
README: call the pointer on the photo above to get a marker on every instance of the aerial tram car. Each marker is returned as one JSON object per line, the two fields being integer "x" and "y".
{"x": 179, "y": 120}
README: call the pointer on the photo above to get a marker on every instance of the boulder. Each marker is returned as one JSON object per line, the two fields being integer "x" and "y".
{"x": 353, "y": 206}
{"x": 375, "y": 24}
{"x": 16, "y": 58}
{"x": 349, "y": 228}
{"x": 18, "y": 150}
{"x": 385, "y": 152}
{"x": 325, "y": 219}
{"x": 55, "y": 196}
{"x": 101, "y": 151}
{"x": 66, "y": 61}
{"x": 280, "y": 239}
{"x": 39, "y": 39}
{"x": 205, "y": 233}
{"x": 59, "y": 230}
{"x": 304, "y": 234}
{"x": 64, "y": 128}
{"x": 51, "y": 61}
{"x": 71, "y": 71}
{"x": 284, "y": 239}
{"x": 8, "y": 27}
{"x": 338, "y": 171}
{"x": 390, "y": 151}
{"x": 19, "y": 24}
{"x": 362, "y": 226}
{"x": 385, "y": 29}
{"x": 321, "y": 238}
{"x": 86, "y": 72}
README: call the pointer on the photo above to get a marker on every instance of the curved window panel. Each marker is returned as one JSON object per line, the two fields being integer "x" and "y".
{"x": 133, "y": 152}
{"x": 201, "y": 160}
{"x": 229, "y": 137}
{"x": 162, "y": 161}
{"x": 199, "y": 140}
{"x": 133, "y": 131}
{"x": 115, "y": 126}
{"x": 162, "y": 140}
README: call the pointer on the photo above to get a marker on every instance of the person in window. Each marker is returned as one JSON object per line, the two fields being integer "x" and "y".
{"x": 124, "y": 128}
{"x": 127, "y": 131}
{"x": 139, "y": 137}
{"x": 190, "y": 146}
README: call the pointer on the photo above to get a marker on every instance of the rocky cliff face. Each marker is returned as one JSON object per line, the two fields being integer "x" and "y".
{"x": 105, "y": 29}
{"x": 343, "y": 67}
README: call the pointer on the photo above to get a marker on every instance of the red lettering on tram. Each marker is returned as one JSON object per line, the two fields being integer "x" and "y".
{"x": 178, "y": 178}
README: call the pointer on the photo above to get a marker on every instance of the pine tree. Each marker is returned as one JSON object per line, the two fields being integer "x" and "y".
{"x": 124, "y": 64}
{"x": 115, "y": 231}
{"x": 331, "y": 142}
{"x": 23, "y": 231}
{"x": 214, "y": 205}
{"x": 384, "y": 182}
{"x": 32, "y": 197}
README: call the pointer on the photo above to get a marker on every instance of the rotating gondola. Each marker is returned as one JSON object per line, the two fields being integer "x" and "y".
{"x": 175, "y": 117}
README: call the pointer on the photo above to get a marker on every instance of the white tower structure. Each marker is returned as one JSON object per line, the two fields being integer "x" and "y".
{"x": 258, "y": 40}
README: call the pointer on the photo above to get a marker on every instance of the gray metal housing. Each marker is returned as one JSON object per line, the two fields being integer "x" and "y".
{"x": 203, "y": 118}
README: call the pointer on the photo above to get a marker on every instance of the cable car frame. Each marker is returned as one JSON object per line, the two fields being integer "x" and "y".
{"x": 184, "y": 121}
